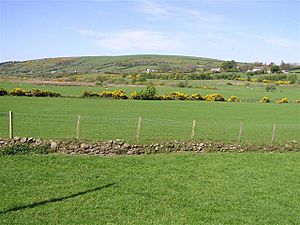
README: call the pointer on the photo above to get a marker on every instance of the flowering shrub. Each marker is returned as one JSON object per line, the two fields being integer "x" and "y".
{"x": 33, "y": 93}
{"x": 90, "y": 94}
{"x": 282, "y": 82}
{"x": 241, "y": 79}
{"x": 233, "y": 98}
{"x": 42, "y": 93}
{"x": 117, "y": 94}
{"x": 19, "y": 92}
{"x": 196, "y": 97}
{"x": 134, "y": 95}
{"x": 264, "y": 100}
{"x": 179, "y": 95}
{"x": 3, "y": 92}
{"x": 214, "y": 97}
{"x": 283, "y": 100}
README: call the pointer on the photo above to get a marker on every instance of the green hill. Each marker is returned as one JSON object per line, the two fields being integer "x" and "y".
{"x": 55, "y": 67}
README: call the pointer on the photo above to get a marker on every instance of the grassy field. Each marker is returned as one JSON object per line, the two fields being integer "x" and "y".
{"x": 232, "y": 188}
{"x": 253, "y": 93}
{"x": 104, "y": 119}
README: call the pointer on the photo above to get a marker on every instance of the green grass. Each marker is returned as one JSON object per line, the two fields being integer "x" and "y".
{"x": 104, "y": 119}
{"x": 253, "y": 93}
{"x": 232, "y": 188}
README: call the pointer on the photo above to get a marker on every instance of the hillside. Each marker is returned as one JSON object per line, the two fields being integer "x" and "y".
{"x": 55, "y": 67}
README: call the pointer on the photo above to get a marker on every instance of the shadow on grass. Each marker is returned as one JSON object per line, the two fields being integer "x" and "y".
{"x": 51, "y": 200}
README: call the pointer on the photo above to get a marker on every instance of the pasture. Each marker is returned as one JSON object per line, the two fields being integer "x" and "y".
{"x": 189, "y": 188}
{"x": 103, "y": 119}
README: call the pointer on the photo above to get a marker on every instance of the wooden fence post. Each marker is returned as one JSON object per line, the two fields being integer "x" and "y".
{"x": 10, "y": 125}
{"x": 78, "y": 126}
{"x": 193, "y": 130}
{"x": 273, "y": 133}
{"x": 240, "y": 132}
{"x": 138, "y": 131}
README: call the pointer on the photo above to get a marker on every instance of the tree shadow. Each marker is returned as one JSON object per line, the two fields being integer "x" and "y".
{"x": 51, "y": 200}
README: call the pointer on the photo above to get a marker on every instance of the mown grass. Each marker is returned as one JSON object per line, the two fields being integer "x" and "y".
{"x": 232, "y": 188}
{"x": 104, "y": 119}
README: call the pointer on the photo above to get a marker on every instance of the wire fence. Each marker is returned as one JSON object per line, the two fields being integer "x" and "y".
{"x": 141, "y": 129}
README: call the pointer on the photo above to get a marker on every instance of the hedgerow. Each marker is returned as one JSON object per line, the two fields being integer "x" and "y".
{"x": 29, "y": 93}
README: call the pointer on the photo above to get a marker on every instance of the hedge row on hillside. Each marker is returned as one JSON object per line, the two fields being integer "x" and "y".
{"x": 29, "y": 93}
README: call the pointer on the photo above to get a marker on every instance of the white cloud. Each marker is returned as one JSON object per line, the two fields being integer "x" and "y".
{"x": 282, "y": 42}
{"x": 165, "y": 10}
{"x": 134, "y": 41}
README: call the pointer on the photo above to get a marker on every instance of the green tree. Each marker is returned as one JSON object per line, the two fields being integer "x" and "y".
{"x": 292, "y": 78}
{"x": 229, "y": 65}
{"x": 149, "y": 92}
{"x": 270, "y": 87}
{"x": 274, "y": 68}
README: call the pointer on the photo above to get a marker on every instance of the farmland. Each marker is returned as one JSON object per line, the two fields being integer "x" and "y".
{"x": 104, "y": 119}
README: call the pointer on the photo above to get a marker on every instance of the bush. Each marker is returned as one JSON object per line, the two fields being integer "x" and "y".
{"x": 86, "y": 94}
{"x": 283, "y": 100}
{"x": 41, "y": 93}
{"x": 3, "y": 92}
{"x": 19, "y": 92}
{"x": 233, "y": 98}
{"x": 179, "y": 96}
{"x": 24, "y": 150}
{"x": 214, "y": 97}
{"x": 196, "y": 97}
{"x": 265, "y": 100}
{"x": 117, "y": 94}
{"x": 270, "y": 87}
{"x": 149, "y": 93}
{"x": 292, "y": 78}
{"x": 33, "y": 93}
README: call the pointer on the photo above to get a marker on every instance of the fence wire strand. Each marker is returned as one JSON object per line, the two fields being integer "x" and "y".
{"x": 103, "y": 128}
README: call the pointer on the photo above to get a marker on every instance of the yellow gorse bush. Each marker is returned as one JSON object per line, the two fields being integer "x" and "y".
{"x": 233, "y": 98}
{"x": 283, "y": 100}
{"x": 264, "y": 100}
{"x": 214, "y": 97}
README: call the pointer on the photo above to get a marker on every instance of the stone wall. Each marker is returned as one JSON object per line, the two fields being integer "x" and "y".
{"x": 120, "y": 147}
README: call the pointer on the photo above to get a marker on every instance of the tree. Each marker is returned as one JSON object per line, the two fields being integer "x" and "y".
{"x": 149, "y": 92}
{"x": 274, "y": 68}
{"x": 229, "y": 65}
{"x": 292, "y": 78}
{"x": 270, "y": 87}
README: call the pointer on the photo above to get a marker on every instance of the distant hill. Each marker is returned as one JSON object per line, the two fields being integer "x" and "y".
{"x": 55, "y": 67}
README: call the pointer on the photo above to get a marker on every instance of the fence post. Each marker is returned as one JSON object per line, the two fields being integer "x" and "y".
{"x": 138, "y": 131}
{"x": 273, "y": 134}
{"x": 240, "y": 132}
{"x": 78, "y": 127}
{"x": 10, "y": 125}
{"x": 193, "y": 130}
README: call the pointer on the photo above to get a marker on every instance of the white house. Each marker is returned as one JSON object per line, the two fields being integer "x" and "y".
{"x": 216, "y": 70}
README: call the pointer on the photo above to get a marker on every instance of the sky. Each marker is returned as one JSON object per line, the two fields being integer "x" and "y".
{"x": 241, "y": 30}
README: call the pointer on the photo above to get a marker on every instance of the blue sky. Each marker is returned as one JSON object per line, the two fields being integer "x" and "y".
{"x": 243, "y": 30}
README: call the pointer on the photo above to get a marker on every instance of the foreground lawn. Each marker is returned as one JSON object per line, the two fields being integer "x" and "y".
{"x": 249, "y": 188}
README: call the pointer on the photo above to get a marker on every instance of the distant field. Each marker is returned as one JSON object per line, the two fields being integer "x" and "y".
{"x": 253, "y": 93}
{"x": 104, "y": 119}
{"x": 231, "y": 188}
{"x": 87, "y": 64}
